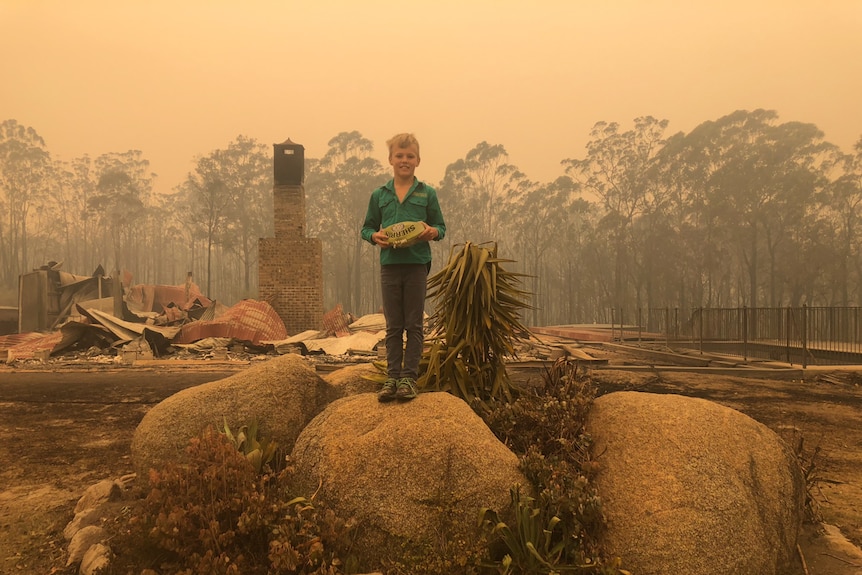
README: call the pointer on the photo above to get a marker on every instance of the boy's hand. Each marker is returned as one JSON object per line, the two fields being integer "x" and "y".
{"x": 380, "y": 239}
{"x": 429, "y": 234}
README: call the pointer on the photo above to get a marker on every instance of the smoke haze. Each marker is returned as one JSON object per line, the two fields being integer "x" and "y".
{"x": 179, "y": 79}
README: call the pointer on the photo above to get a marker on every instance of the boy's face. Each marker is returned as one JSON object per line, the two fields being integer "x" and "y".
{"x": 404, "y": 160}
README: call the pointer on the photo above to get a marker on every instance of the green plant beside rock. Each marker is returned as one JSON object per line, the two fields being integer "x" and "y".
{"x": 475, "y": 325}
{"x": 260, "y": 452}
{"x": 559, "y": 529}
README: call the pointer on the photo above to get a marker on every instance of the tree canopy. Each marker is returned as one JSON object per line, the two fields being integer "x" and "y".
{"x": 742, "y": 210}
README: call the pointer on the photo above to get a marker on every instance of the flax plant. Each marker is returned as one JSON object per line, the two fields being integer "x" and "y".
{"x": 475, "y": 326}
{"x": 260, "y": 452}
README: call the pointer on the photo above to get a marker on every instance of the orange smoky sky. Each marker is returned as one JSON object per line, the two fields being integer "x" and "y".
{"x": 177, "y": 79}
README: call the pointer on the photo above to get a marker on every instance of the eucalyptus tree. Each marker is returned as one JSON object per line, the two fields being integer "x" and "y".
{"x": 572, "y": 273}
{"x": 245, "y": 169}
{"x": 339, "y": 186}
{"x": 758, "y": 179}
{"x": 705, "y": 260}
{"x": 25, "y": 171}
{"x": 614, "y": 172}
{"x": 184, "y": 231}
{"x": 813, "y": 275}
{"x": 229, "y": 195}
{"x": 122, "y": 192}
{"x": 477, "y": 192}
{"x": 656, "y": 244}
{"x": 539, "y": 219}
{"x": 842, "y": 207}
{"x": 209, "y": 198}
{"x": 78, "y": 229}
{"x": 802, "y": 161}
{"x": 45, "y": 237}
{"x": 689, "y": 280}
{"x": 656, "y": 241}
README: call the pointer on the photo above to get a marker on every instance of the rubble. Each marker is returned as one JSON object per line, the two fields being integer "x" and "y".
{"x": 159, "y": 322}
{"x": 165, "y": 324}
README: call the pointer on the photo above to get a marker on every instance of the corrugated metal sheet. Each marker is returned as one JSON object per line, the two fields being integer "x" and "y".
{"x": 249, "y": 320}
{"x": 159, "y": 297}
{"x": 335, "y": 322}
{"x": 16, "y": 339}
{"x": 30, "y": 344}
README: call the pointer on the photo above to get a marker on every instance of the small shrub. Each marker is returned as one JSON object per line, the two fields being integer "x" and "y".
{"x": 218, "y": 516}
{"x": 559, "y": 529}
{"x": 551, "y": 416}
{"x": 536, "y": 541}
{"x": 533, "y": 542}
{"x": 809, "y": 467}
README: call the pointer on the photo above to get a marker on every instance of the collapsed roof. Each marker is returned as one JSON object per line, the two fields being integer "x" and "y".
{"x": 80, "y": 312}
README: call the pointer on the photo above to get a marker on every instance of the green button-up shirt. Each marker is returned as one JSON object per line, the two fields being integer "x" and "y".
{"x": 419, "y": 205}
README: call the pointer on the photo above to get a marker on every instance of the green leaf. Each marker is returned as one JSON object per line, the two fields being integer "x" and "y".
{"x": 477, "y": 308}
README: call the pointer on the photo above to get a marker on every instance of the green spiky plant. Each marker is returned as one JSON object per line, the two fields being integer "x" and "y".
{"x": 260, "y": 452}
{"x": 530, "y": 543}
{"x": 475, "y": 326}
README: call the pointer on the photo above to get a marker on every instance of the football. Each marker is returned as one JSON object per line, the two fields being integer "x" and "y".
{"x": 403, "y": 234}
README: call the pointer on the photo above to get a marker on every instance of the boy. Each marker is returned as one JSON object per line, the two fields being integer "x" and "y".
{"x": 403, "y": 270}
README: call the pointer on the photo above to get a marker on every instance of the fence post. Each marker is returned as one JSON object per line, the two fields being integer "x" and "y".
{"x": 745, "y": 333}
{"x": 622, "y": 323}
{"x": 700, "y": 329}
{"x": 804, "y": 335}
{"x": 640, "y": 318}
{"x": 787, "y": 320}
{"x": 667, "y": 327}
{"x": 613, "y": 321}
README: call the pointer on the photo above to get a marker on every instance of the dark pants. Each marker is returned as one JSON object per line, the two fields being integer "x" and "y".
{"x": 403, "y": 288}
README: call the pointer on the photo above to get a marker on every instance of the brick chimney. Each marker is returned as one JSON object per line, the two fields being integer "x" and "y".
{"x": 290, "y": 265}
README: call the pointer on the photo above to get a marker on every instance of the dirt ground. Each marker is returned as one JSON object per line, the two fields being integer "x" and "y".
{"x": 65, "y": 428}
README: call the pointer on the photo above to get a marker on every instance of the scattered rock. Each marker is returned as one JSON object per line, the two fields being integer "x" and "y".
{"x": 97, "y": 557}
{"x": 81, "y": 542}
{"x": 85, "y": 518}
{"x": 105, "y": 490}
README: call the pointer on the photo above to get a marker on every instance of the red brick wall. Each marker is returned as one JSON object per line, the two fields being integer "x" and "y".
{"x": 288, "y": 204}
{"x": 290, "y": 266}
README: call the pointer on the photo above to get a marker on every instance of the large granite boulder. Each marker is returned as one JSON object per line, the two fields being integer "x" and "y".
{"x": 354, "y": 379}
{"x": 407, "y": 473}
{"x": 283, "y": 393}
{"x": 690, "y": 486}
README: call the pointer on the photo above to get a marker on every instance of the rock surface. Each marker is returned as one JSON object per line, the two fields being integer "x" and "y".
{"x": 98, "y": 493}
{"x": 96, "y": 559}
{"x": 406, "y": 472}
{"x": 82, "y": 541}
{"x": 283, "y": 393}
{"x": 354, "y": 379}
{"x": 690, "y": 486}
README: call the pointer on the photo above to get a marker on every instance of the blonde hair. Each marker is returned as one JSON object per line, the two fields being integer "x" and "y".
{"x": 402, "y": 141}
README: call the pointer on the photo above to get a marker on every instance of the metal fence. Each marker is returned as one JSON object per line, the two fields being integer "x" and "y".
{"x": 796, "y": 335}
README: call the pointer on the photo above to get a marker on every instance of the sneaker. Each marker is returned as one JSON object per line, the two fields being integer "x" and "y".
{"x": 406, "y": 389}
{"x": 387, "y": 392}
